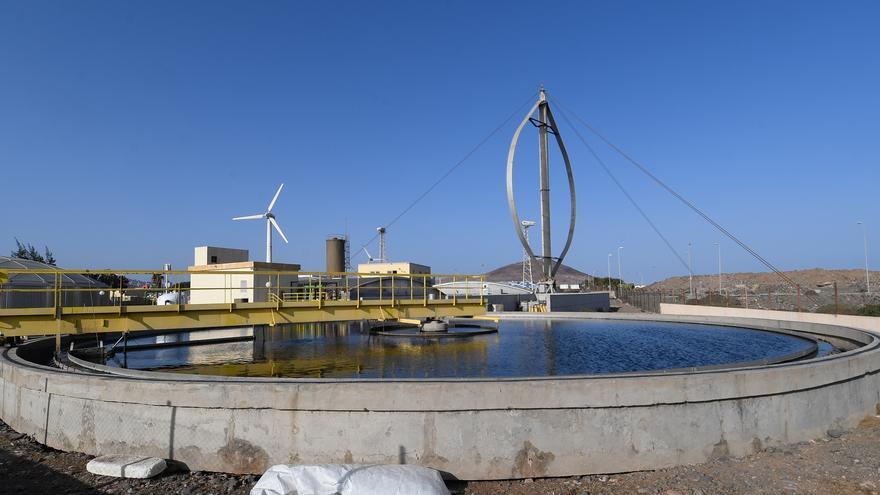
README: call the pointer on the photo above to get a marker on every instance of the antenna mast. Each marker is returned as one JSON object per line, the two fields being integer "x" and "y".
{"x": 382, "y": 258}
{"x": 527, "y": 260}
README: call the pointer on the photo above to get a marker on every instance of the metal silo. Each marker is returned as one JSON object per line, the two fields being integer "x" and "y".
{"x": 335, "y": 254}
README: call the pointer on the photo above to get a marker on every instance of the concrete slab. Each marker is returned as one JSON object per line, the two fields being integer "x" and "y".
{"x": 126, "y": 466}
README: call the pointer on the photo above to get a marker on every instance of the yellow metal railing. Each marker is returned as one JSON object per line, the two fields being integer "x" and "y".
{"x": 55, "y": 288}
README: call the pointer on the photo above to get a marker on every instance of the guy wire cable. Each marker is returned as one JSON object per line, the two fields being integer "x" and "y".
{"x": 625, "y": 192}
{"x": 449, "y": 172}
{"x": 687, "y": 203}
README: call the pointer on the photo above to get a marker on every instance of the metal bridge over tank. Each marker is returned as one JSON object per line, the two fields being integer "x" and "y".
{"x": 57, "y": 307}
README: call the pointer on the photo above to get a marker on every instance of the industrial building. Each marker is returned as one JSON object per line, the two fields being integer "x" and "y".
{"x": 36, "y": 290}
{"x": 400, "y": 287}
{"x": 394, "y": 267}
{"x": 228, "y": 286}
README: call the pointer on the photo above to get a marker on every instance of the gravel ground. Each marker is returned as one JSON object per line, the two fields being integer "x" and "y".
{"x": 845, "y": 462}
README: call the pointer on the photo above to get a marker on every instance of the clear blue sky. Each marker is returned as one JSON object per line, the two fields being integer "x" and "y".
{"x": 132, "y": 131}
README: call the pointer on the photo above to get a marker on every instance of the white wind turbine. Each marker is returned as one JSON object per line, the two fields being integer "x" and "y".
{"x": 270, "y": 222}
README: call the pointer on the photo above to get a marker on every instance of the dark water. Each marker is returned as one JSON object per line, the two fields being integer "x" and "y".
{"x": 521, "y": 348}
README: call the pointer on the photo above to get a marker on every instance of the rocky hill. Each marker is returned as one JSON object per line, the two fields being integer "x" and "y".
{"x": 769, "y": 290}
{"x": 513, "y": 272}
{"x": 813, "y": 278}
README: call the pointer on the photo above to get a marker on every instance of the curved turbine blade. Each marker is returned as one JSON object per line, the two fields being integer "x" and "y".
{"x": 275, "y": 224}
{"x": 249, "y": 217}
{"x": 272, "y": 203}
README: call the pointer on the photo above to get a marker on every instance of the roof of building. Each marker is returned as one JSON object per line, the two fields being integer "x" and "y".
{"x": 256, "y": 266}
{"x": 42, "y": 279}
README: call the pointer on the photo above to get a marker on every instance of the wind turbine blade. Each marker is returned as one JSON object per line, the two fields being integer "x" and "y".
{"x": 249, "y": 217}
{"x": 275, "y": 199}
{"x": 275, "y": 224}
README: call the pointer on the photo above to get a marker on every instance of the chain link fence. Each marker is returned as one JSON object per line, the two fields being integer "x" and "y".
{"x": 824, "y": 300}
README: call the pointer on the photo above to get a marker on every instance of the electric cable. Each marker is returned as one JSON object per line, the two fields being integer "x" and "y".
{"x": 686, "y": 202}
{"x": 449, "y": 171}
{"x": 625, "y": 192}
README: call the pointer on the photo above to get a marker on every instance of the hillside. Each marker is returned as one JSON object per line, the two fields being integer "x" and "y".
{"x": 513, "y": 272}
{"x": 752, "y": 289}
{"x": 847, "y": 280}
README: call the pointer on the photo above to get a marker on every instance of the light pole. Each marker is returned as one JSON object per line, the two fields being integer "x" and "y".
{"x": 718, "y": 244}
{"x": 690, "y": 272}
{"x": 867, "y": 273}
{"x": 619, "y": 273}
{"x": 609, "y": 272}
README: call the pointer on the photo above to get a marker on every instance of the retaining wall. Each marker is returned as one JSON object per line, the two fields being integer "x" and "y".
{"x": 868, "y": 323}
{"x": 472, "y": 429}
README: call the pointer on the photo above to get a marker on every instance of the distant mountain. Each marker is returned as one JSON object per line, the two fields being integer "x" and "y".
{"x": 513, "y": 272}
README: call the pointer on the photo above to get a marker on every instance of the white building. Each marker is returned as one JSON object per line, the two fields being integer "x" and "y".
{"x": 253, "y": 284}
{"x": 475, "y": 288}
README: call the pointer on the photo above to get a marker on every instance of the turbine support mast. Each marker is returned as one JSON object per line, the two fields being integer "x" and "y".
{"x": 268, "y": 242}
{"x": 544, "y": 159}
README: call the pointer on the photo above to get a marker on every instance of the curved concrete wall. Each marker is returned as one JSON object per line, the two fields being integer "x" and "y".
{"x": 472, "y": 429}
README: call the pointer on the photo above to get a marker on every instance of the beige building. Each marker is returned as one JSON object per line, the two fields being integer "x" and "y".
{"x": 230, "y": 286}
{"x": 388, "y": 268}
{"x": 210, "y": 255}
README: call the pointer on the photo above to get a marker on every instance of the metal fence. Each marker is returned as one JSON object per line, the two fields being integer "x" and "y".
{"x": 823, "y": 300}
{"x": 645, "y": 300}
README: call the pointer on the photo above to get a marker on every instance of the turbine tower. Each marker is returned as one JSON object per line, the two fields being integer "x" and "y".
{"x": 270, "y": 222}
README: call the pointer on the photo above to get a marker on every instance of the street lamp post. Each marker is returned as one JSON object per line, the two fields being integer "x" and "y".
{"x": 619, "y": 272}
{"x": 690, "y": 272}
{"x": 609, "y": 272}
{"x": 718, "y": 244}
{"x": 867, "y": 273}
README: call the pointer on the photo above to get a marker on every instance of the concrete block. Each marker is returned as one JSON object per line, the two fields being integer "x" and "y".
{"x": 575, "y": 302}
{"x": 126, "y": 466}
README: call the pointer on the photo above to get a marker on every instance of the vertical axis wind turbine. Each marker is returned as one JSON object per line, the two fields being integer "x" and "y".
{"x": 270, "y": 222}
{"x": 541, "y": 117}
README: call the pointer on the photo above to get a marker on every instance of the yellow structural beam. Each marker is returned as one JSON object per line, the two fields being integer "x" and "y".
{"x": 103, "y": 319}
{"x": 275, "y": 298}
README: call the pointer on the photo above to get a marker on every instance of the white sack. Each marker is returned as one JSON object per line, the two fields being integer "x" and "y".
{"x": 350, "y": 479}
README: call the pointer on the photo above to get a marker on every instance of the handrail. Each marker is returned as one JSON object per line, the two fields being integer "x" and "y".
{"x": 237, "y": 285}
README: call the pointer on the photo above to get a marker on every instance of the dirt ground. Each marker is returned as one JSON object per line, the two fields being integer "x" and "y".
{"x": 844, "y": 462}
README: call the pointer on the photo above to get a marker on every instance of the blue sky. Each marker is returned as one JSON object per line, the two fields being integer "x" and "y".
{"x": 132, "y": 131}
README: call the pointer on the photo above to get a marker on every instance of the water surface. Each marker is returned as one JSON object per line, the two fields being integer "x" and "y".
{"x": 520, "y": 348}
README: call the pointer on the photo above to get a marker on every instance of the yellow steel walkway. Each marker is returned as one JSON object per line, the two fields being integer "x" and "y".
{"x": 61, "y": 306}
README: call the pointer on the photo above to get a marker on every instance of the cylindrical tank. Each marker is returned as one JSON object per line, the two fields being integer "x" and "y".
{"x": 335, "y": 254}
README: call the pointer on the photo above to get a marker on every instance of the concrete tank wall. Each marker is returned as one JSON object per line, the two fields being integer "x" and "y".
{"x": 868, "y": 323}
{"x": 472, "y": 429}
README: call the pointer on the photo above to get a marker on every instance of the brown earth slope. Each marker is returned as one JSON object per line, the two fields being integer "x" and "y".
{"x": 769, "y": 290}
{"x": 513, "y": 272}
